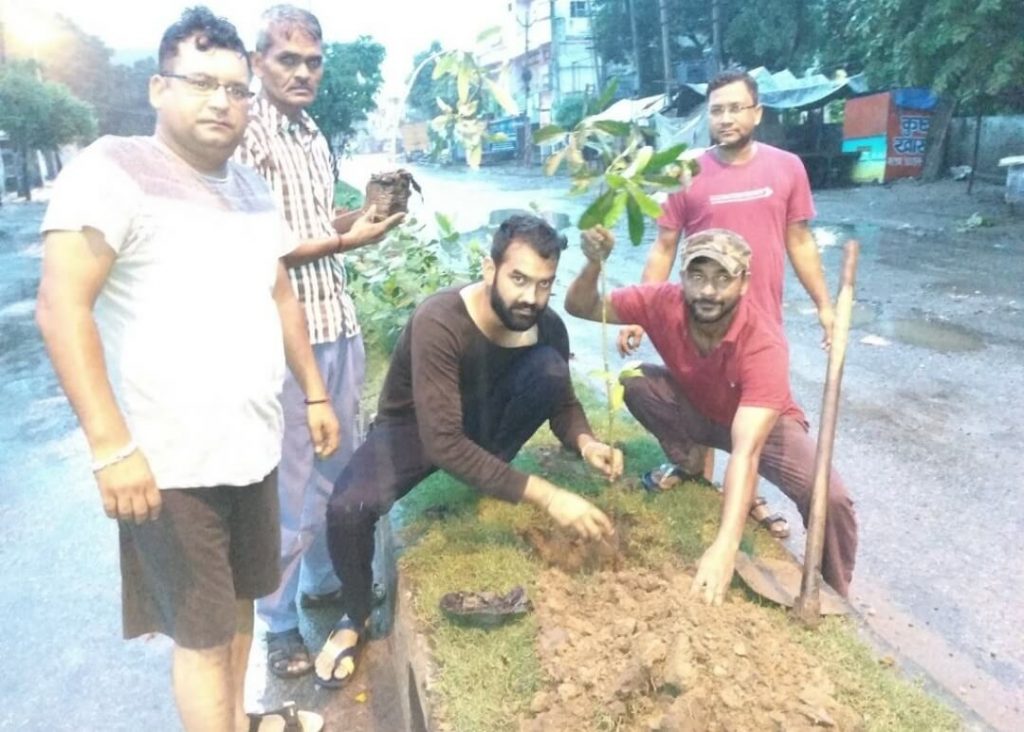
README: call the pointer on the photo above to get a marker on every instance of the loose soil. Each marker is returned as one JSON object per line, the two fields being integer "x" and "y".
{"x": 630, "y": 650}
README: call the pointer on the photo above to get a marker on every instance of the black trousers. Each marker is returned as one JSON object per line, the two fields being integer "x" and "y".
{"x": 391, "y": 462}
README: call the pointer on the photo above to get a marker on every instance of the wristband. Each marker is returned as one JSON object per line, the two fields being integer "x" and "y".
{"x": 117, "y": 457}
{"x": 316, "y": 401}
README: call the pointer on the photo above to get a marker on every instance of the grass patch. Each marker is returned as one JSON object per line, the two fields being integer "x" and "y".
{"x": 456, "y": 539}
{"x": 885, "y": 699}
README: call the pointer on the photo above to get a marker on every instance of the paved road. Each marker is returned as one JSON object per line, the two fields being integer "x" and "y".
{"x": 929, "y": 441}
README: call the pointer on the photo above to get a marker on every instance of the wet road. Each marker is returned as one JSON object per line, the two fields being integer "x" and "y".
{"x": 929, "y": 441}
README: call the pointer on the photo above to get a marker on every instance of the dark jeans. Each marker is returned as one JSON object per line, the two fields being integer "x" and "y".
{"x": 391, "y": 463}
{"x": 787, "y": 460}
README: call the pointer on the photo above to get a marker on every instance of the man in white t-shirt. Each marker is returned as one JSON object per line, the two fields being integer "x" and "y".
{"x": 169, "y": 319}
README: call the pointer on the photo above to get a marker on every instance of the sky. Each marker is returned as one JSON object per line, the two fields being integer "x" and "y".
{"x": 133, "y": 27}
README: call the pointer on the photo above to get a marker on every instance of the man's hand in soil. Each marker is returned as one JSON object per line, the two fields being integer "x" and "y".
{"x": 604, "y": 457}
{"x": 714, "y": 574}
{"x": 128, "y": 490}
{"x": 568, "y": 510}
{"x": 630, "y": 338}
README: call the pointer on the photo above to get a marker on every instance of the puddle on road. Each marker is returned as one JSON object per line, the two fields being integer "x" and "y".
{"x": 934, "y": 334}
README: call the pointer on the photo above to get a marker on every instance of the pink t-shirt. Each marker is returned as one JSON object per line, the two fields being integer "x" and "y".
{"x": 749, "y": 368}
{"x": 758, "y": 200}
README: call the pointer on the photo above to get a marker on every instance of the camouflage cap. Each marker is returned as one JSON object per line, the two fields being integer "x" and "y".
{"x": 726, "y": 247}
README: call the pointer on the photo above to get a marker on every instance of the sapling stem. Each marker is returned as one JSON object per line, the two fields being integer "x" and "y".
{"x": 608, "y": 386}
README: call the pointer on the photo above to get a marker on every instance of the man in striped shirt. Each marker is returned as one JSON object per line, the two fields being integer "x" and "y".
{"x": 286, "y": 147}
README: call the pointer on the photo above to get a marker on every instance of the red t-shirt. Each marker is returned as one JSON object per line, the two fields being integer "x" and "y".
{"x": 750, "y": 367}
{"x": 758, "y": 200}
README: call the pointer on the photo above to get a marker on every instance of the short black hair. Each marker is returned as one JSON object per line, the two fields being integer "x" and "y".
{"x": 531, "y": 230}
{"x": 731, "y": 76}
{"x": 289, "y": 18}
{"x": 208, "y": 30}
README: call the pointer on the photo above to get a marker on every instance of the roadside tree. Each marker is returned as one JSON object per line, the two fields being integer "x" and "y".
{"x": 39, "y": 115}
{"x": 352, "y": 78}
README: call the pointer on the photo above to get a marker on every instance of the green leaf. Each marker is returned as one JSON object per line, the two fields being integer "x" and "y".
{"x": 616, "y": 396}
{"x": 596, "y": 211}
{"x": 636, "y": 222}
{"x": 616, "y": 129}
{"x": 444, "y": 223}
{"x": 463, "y": 83}
{"x": 615, "y": 181}
{"x": 553, "y": 163}
{"x": 546, "y": 134}
{"x": 474, "y": 154}
{"x": 444, "y": 65}
{"x": 501, "y": 96}
{"x": 647, "y": 204}
{"x": 488, "y": 33}
{"x": 616, "y": 210}
{"x": 663, "y": 157}
{"x": 444, "y": 106}
{"x": 664, "y": 181}
{"x": 643, "y": 158}
{"x": 630, "y": 372}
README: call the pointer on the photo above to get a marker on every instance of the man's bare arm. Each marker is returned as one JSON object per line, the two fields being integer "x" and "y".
{"x": 352, "y": 234}
{"x": 583, "y": 299}
{"x": 323, "y": 424}
{"x": 750, "y": 429}
{"x": 806, "y": 260}
{"x": 75, "y": 266}
{"x": 662, "y": 255}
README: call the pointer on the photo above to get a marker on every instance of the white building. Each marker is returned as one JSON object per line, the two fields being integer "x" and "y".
{"x": 548, "y": 45}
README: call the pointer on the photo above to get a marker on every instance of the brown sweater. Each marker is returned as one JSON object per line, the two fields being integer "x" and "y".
{"x": 443, "y": 364}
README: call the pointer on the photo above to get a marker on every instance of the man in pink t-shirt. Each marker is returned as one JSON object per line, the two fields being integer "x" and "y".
{"x": 725, "y": 384}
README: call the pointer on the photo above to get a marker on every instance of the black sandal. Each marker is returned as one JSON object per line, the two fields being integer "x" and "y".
{"x": 286, "y": 650}
{"x": 353, "y": 652}
{"x": 774, "y": 523}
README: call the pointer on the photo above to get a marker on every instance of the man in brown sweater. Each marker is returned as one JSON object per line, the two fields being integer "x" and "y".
{"x": 476, "y": 371}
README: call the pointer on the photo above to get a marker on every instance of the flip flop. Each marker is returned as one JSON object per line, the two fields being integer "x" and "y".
{"x": 339, "y": 655}
{"x": 286, "y": 719}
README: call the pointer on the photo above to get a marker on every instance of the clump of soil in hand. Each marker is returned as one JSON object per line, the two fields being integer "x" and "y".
{"x": 630, "y": 650}
{"x": 568, "y": 552}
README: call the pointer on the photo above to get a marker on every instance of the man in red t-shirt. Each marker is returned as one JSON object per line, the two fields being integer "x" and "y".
{"x": 725, "y": 384}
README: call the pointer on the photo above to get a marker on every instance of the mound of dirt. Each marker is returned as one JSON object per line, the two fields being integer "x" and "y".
{"x": 630, "y": 650}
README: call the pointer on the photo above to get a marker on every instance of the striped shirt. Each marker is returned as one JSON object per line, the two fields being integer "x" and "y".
{"x": 294, "y": 159}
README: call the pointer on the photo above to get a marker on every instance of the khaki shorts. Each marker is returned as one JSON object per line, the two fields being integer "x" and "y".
{"x": 183, "y": 574}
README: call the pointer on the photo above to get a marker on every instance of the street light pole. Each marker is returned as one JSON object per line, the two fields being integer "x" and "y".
{"x": 665, "y": 55}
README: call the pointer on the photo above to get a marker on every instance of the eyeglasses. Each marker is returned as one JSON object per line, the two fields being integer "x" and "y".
{"x": 207, "y": 86}
{"x": 732, "y": 109}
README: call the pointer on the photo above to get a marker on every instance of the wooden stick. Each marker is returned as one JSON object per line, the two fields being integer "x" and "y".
{"x": 808, "y": 604}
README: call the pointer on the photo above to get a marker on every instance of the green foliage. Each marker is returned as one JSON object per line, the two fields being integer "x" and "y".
{"x": 776, "y": 34}
{"x": 478, "y": 90}
{"x": 81, "y": 62}
{"x": 970, "y": 49}
{"x": 632, "y": 170}
{"x": 352, "y": 78}
{"x": 39, "y": 114}
{"x": 421, "y": 104}
{"x": 388, "y": 281}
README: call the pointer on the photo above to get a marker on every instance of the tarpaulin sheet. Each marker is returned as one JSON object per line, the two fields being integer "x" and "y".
{"x": 783, "y": 90}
